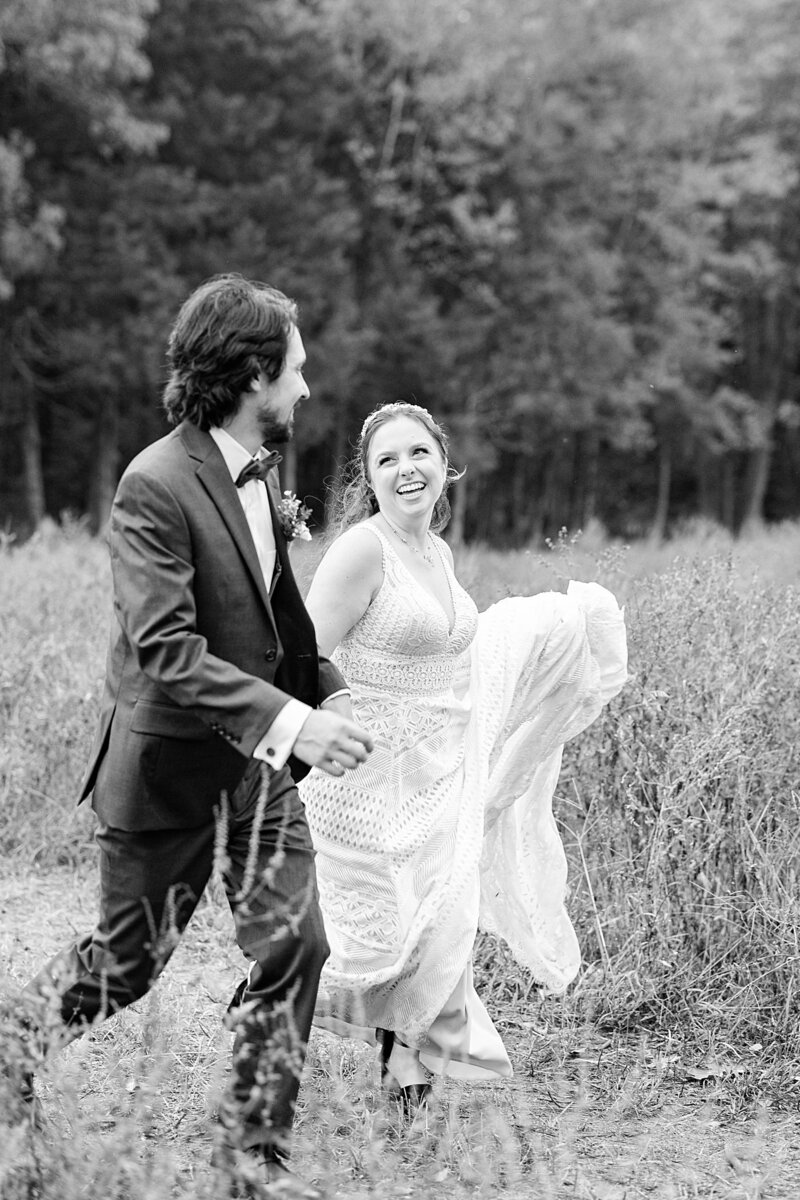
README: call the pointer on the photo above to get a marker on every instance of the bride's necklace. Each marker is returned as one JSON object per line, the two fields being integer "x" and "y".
{"x": 425, "y": 554}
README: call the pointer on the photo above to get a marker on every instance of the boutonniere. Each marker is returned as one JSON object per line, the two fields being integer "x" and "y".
{"x": 293, "y": 515}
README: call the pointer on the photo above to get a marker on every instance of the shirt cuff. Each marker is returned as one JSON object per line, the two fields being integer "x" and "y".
{"x": 278, "y": 742}
{"x": 333, "y": 695}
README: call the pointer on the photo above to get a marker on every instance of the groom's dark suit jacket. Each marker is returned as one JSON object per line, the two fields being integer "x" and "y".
{"x": 201, "y": 658}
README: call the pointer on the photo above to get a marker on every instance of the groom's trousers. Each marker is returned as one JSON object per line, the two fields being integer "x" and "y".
{"x": 150, "y": 883}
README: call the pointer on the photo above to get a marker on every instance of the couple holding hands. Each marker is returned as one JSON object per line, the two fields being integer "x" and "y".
{"x": 374, "y": 768}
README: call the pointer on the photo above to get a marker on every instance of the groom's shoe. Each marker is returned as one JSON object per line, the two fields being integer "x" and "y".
{"x": 31, "y": 1104}
{"x": 22, "y": 1105}
{"x": 283, "y": 1184}
{"x": 249, "y": 1175}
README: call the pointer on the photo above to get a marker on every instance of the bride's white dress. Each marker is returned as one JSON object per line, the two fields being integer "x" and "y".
{"x": 448, "y": 827}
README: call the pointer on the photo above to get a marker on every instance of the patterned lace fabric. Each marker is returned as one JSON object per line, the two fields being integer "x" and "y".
{"x": 404, "y": 643}
{"x": 448, "y": 826}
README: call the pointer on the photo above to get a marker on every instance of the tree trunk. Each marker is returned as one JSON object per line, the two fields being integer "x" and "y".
{"x": 756, "y": 480}
{"x": 519, "y": 523}
{"x": 772, "y": 359}
{"x": 591, "y": 465}
{"x": 548, "y": 510}
{"x": 535, "y": 532}
{"x": 658, "y": 528}
{"x": 106, "y": 463}
{"x": 482, "y": 507}
{"x": 573, "y": 479}
{"x": 727, "y": 511}
{"x": 561, "y": 486}
{"x": 707, "y": 475}
{"x": 31, "y": 439}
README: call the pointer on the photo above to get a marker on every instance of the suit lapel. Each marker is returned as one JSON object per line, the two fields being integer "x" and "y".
{"x": 215, "y": 478}
{"x": 284, "y": 573}
{"x": 281, "y": 550}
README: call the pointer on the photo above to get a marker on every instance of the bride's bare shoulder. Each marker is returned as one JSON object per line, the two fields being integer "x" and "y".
{"x": 357, "y": 549}
{"x": 359, "y": 539}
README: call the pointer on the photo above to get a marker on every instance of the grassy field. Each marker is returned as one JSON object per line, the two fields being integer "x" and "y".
{"x": 672, "y": 1066}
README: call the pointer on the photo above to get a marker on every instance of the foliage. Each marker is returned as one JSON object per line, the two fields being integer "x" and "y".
{"x": 570, "y": 230}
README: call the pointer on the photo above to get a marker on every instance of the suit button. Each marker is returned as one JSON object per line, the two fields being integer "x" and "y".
{"x": 271, "y": 655}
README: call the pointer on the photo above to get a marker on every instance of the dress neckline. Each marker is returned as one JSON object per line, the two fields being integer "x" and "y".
{"x": 447, "y": 574}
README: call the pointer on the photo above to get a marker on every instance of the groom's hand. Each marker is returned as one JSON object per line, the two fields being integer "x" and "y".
{"x": 342, "y": 705}
{"x": 332, "y": 742}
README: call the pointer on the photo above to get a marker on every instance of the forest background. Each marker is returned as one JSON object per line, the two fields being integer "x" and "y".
{"x": 571, "y": 229}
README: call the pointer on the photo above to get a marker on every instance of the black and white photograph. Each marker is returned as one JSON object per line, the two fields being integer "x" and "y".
{"x": 399, "y": 599}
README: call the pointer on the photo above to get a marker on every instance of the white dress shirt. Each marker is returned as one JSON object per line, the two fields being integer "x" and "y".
{"x": 277, "y": 743}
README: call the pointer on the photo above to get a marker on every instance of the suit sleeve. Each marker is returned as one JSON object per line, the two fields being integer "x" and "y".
{"x": 330, "y": 679}
{"x": 153, "y": 568}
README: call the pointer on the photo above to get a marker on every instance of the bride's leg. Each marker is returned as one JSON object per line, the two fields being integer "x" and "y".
{"x": 386, "y": 1040}
{"x": 403, "y": 1064}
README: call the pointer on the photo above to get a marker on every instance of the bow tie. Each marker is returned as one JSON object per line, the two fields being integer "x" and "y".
{"x": 258, "y": 469}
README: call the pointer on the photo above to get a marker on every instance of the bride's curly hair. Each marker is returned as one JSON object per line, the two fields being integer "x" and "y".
{"x": 226, "y": 332}
{"x": 354, "y": 500}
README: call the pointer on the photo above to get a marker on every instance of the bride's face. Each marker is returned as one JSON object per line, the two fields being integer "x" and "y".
{"x": 406, "y": 469}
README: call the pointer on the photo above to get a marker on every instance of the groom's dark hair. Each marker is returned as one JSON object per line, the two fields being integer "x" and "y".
{"x": 229, "y": 330}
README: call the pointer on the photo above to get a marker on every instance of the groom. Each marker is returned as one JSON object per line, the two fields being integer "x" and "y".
{"x": 215, "y": 703}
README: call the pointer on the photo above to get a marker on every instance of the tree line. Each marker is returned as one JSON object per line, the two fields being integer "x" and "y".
{"x": 572, "y": 231}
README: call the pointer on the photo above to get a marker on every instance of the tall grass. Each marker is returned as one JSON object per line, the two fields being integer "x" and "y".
{"x": 681, "y": 808}
{"x": 55, "y": 608}
{"x": 679, "y": 811}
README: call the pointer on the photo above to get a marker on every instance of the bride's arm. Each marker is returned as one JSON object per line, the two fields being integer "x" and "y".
{"x": 343, "y": 586}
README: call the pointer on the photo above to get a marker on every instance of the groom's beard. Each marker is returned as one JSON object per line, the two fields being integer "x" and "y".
{"x": 274, "y": 431}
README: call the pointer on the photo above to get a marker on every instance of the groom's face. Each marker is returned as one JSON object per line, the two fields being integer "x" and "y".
{"x": 277, "y": 400}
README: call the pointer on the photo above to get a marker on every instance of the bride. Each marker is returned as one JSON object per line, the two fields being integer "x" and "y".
{"x": 448, "y": 827}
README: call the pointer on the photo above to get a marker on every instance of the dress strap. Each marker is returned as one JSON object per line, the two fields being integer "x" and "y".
{"x": 437, "y": 543}
{"x": 382, "y": 538}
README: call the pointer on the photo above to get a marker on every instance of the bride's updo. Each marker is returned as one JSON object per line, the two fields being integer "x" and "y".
{"x": 354, "y": 499}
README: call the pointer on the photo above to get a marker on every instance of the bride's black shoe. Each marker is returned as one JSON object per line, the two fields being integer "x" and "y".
{"x": 409, "y": 1099}
{"x": 387, "y": 1043}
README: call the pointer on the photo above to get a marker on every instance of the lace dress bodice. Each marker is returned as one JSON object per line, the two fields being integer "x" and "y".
{"x": 404, "y": 643}
{"x": 408, "y": 671}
